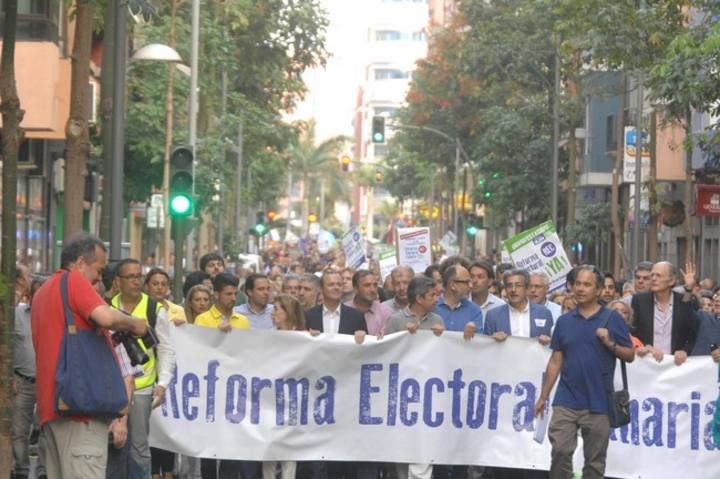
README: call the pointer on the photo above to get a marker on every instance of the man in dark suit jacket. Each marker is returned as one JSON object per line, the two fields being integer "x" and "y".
{"x": 332, "y": 317}
{"x": 538, "y": 320}
{"x": 342, "y": 319}
{"x": 665, "y": 321}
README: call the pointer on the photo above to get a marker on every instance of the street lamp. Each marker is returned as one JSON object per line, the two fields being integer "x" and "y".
{"x": 153, "y": 52}
{"x": 158, "y": 52}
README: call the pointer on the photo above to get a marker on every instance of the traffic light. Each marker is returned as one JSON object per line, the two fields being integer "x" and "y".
{"x": 345, "y": 163}
{"x": 378, "y": 129}
{"x": 181, "y": 182}
{"x": 271, "y": 215}
{"x": 473, "y": 225}
{"x": 312, "y": 218}
{"x": 260, "y": 228}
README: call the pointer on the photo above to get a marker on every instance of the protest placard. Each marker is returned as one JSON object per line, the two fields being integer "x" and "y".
{"x": 413, "y": 247}
{"x": 540, "y": 249}
{"x": 353, "y": 244}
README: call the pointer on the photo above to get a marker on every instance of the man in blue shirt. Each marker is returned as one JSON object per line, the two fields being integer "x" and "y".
{"x": 457, "y": 311}
{"x": 257, "y": 309}
{"x": 585, "y": 344}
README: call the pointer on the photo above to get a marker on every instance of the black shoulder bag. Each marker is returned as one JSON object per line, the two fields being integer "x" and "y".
{"x": 618, "y": 401}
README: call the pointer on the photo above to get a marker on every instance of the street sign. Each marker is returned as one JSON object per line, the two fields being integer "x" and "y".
{"x": 156, "y": 212}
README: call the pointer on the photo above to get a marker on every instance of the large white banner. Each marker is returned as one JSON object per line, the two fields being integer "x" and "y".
{"x": 269, "y": 395}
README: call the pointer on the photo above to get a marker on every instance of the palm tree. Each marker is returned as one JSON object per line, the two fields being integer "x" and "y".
{"x": 316, "y": 164}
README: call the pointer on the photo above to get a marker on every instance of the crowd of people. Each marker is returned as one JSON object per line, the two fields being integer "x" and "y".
{"x": 587, "y": 325}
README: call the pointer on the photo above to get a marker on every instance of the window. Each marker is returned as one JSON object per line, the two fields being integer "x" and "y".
{"x": 36, "y": 20}
{"x": 387, "y": 35}
{"x": 418, "y": 36}
{"x": 385, "y": 110}
{"x": 391, "y": 74}
{"x": 611, "y": 137}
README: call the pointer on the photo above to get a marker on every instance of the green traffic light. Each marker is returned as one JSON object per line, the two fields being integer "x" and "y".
{"x": 471, "y": 230}
{"x": 378, "y": 138}
{"x": 487, "y": 195}
{"x": 260, "y": 229}
{"x": 180, "y": 205}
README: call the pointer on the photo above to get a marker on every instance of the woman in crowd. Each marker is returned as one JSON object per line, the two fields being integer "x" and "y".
{"x": 197, "y": 302}
{"x": 625, "y": 310}
{"x": 157, "y": 285}
{"x": 568, "y": 304}
{"x": 558, "y": 297}
{"x": 433, "y": 272}
{"x": 287, "y": 316}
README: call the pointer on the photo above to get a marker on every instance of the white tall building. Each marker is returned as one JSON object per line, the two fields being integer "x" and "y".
{"x": 396, "y": 39}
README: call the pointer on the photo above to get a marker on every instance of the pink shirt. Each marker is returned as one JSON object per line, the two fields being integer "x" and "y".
{"x": 662, "y": 328}
{"x": 376, "y": 317}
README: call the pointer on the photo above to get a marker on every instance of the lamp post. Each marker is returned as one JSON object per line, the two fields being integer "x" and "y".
{"x": 163, "y": 53}
{"x": 152, "y": 52}
{"x": 118, "y": 130}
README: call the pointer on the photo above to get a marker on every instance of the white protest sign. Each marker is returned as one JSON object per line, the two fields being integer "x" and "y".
{"x": 271, "y": 395}
{"x": 413, "y": 248}
{"x": 540, "y": 249}
{"x": 353, "y": 244}
{"x": 449, "y": 243}
{"x": 387, "y": 261}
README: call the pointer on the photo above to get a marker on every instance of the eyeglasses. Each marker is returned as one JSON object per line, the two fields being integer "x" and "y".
{"x": 131, "y": 276}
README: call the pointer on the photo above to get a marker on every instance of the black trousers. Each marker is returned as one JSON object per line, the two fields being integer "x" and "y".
{"x": 228, "y": 469}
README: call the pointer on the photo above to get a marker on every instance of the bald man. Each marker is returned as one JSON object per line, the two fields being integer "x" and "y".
{"x": 665, "y": 321}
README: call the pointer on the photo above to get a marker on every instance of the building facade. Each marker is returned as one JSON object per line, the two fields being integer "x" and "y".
{"x": 396, "y": 39}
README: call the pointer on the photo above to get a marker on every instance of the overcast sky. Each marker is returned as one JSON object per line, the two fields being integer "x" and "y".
{"x": 333, "y": 90}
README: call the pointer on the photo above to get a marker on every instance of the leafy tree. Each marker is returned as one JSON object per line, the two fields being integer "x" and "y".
{"x": 77, "y": 136}
{"x": 12, "y": 116}
{"x": 261, "y": 47}
{"x": 487, "y": 80}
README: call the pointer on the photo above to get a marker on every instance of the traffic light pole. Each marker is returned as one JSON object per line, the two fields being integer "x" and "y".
{"x": 179, "y": 230}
